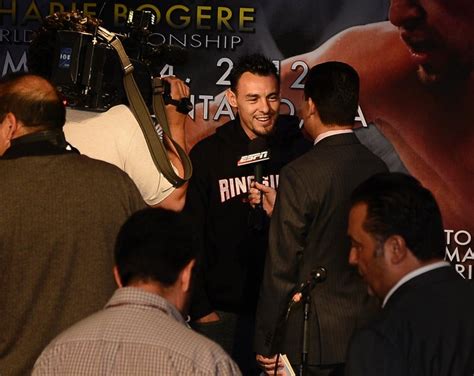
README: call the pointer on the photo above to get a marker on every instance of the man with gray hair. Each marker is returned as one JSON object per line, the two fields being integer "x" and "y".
{"x": 61, "y": 212}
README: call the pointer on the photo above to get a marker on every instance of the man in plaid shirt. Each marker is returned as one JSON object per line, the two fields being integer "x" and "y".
{"x": 142, "y": 330}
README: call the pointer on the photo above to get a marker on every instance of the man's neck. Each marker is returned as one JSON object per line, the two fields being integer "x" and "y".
{"x": 332, "y": 132}
{"x": 168, "y": 293}
{"x": 421, "y": 268}
{"x": 319, "y": 128}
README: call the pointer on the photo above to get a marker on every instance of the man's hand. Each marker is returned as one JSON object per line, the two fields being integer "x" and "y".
{"x": 256, "y": 192}
{"x": 212, "y": 317}
{"x": 268, "y": 365}
{"x": 178, "y": 90}
{"x": 176, "y": 120}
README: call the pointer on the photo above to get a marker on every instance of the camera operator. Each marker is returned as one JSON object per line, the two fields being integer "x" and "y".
{"x": 115, "y": 136}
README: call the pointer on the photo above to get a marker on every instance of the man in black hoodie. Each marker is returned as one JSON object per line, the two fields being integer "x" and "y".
{"x": 234, "y": 235}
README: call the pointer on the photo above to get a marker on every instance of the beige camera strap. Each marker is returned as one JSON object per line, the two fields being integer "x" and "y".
{"x": 140, "y": 110}
{"x": 160, "y": 113}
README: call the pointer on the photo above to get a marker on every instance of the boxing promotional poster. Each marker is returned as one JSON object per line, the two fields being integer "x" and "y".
{"x": 416, "y": 74}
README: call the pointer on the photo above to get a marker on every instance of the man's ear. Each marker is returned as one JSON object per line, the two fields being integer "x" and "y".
{"x": 8, "y": 128}
{"x": 10, "y": 125}
{"x": 396, "y": 249}
{"x": 186, "y": 275}
{"x": 118, "y": 281}
{"x": 311, "y": 107}
{"x": 231, "y": 98}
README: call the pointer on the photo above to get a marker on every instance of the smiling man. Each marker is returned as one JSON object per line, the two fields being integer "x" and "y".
{"x": 232, "y": 251}
{"x": 258, "y": 103}
{"x": 426, "y": 326}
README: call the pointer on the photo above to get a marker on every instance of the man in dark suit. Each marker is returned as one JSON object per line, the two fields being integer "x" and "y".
{"x": 426, "y": 326}
{"x": 308, "y": 229}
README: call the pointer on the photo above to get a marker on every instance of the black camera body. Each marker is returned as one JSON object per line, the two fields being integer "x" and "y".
{"x": 87, "y": 72}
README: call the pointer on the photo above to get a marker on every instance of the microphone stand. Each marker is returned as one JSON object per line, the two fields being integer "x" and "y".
{"x": 304, "y": 294}
{"x": 303, "y": 368}
{"x": 306, "y": 298}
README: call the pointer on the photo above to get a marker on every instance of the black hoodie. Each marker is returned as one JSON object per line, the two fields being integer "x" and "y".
{"x": 231, "y": 250}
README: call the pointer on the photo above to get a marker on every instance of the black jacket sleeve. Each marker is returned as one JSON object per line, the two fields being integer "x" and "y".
{"x": 372, "y": 354}
{"x": 197, "y": 206}
{"x": 282, "y": 265}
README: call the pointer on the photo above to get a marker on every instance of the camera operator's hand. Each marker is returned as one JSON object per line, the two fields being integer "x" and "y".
{"x": 176, "y": 120}
{"x": 178, "y": 90}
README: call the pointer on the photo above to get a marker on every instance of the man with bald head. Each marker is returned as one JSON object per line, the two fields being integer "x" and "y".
{"x": 15, "y": 91}
{"x": 61, "y": 212}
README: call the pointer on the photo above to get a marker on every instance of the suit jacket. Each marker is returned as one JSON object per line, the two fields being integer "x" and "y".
{"x": 426, "y": 328}
{"x": 308, "y": 229}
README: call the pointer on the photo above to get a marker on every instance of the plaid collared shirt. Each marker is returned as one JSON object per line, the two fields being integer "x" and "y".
{"x": 137, "y": 333}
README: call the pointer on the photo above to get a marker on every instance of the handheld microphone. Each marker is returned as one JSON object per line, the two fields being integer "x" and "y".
{"x": 317, "y": 275}
{"x": 258, "y": 153}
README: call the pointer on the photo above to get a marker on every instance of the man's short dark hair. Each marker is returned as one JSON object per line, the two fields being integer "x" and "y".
{"x": 154, "y": 245}
{"x": 33, "y": 100}
{"x": 334, "y": 89}
{"x": 397, "y": 204}
{"x": 256, "y": 64}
